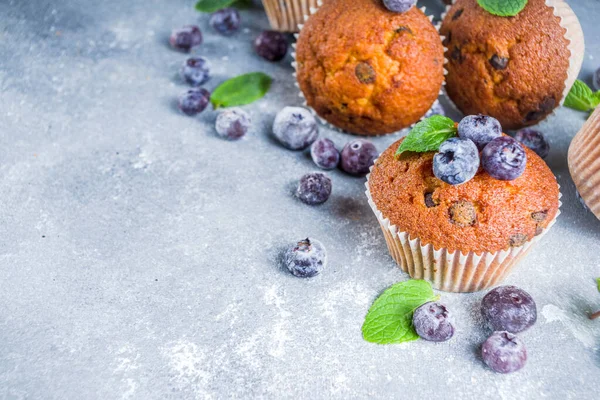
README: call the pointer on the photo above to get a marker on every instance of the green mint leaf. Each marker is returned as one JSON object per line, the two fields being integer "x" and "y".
{"x": 243, "y": 89}
{"x": 581, "y": 97}
{"x": 210, "y": 6}
{"x": 503, "y": 8}
{"x": 428, "y": 135}
{"x": 389, "y": 319}
{"x": 598, "y": 282}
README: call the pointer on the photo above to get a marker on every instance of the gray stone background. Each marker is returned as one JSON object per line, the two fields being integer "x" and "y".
{"x": 139, "y": 252}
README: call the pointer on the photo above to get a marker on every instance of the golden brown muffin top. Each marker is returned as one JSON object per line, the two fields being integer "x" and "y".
{"x": 481, "y": 215}
{"x": 512, "y": 68}
{"x": 368, "y": 70}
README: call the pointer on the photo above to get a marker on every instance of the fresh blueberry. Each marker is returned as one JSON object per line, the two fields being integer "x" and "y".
{"x": 271, "y": 45}
{"x": 433, "y": 322}
{"x": 306, "y": 259}
{"x": 194, "y": 101}
{"x": 436, "y": 109}
{"x": 596, "y": 79}
{"x": 504, "y": 158}
{"x": 225, "y": 21}
{"x": 186, "y": 38}
{"x": 508, "y": 308}
{"x": 314, "y": 188}
{"x": 358, "y": 156}
{"x": 457, "y": 161}
{"x": 534, "y": 140}
{"x": 295, "y": 128}
{"x": 195, "y": 71}
{"x": 481, "y": 129}
{"x": 324, "y": 154}
{"x": 399, "y": 6}
{"x": 233, "y": 123}
{"x": 504, "y": 352}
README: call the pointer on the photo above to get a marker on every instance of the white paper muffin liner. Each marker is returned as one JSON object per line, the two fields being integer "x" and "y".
{"x": 584, "y": 162}
{"x": 286, "y": 15}
{"x": 450, "y": 271}
{"x": 323, "y": 121}
{"x": 576, "y": 46}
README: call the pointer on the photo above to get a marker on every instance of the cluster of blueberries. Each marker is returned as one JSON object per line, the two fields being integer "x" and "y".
{"x": 502, "y": 157}
{"x": 507, "y": 310}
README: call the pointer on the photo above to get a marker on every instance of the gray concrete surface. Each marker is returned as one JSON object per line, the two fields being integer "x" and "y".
{"x": 138, "y": 251}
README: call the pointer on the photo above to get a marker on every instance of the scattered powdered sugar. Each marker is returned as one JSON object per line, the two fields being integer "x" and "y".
{"x": 576, "y": 325}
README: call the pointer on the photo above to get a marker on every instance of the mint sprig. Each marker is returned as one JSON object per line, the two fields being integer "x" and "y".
{"x": 503, "y": 8}
{"x": 210, "y": 6}
{"x": 428, "y": 135}
{"x": 581, "y": 97}
{"x": 389, "y": 319}
{"x": 241, "y": 90}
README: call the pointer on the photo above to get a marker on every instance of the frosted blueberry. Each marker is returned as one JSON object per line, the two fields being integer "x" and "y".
{"x": 306, "y": 258}
{"x": 504, "y": 158}
{"x": 457, "y": 161}
{"x": 596, "y": 79}
{"x": 314, "y": 188}
{"x": 324, "y": 154}
{"x": 271, "y": 45}
{"x": 195, "y": 71}
{"x": 504, "y": 352}
{"x": 508, "y": 308}
{"x": 535, "y": 140}
{"x": 194, "y": 101}
{"x": 358, "y": 156}
{"x": 436, "y": 109}
{"x": 295, "y": 128}
{"x": 399, "y": 6}
{"x": 433, "y": 322}
{"x": 186, "y": 38}
{"x": 233, "y": 123}
{"x": 481, "y": 129}
{"x": 226, "y": 21}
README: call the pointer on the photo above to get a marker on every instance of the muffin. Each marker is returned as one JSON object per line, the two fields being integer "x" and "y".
{"x": 466, "y": 237}
{"x": 584, "y": 162}
{"x": 516, "y": 69}
{"x": 286, "y": 15}
{"x": 371, "y": 72}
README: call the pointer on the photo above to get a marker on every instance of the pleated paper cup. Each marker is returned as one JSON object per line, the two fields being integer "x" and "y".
{"x": 584, "y": 162}
{"x": 450, "y": 271}
{"x": 286, "y": 15}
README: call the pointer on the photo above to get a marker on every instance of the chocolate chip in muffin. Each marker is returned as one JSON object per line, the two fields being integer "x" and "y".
{"x": 447, "y": 39}
{"x": 499, "y": 63}
{"x": 404, "y": 29}
{"x": 457, "y": 14}
{"x": 518, "y": 239}
{"x": 457, "y": 54}
{"x": 365, "y": 73}
{"x": 462, "y": 213}
{"x": 539, "y": 216}
{"x": 430, "y": 201}
{"x": 544, "y": 108}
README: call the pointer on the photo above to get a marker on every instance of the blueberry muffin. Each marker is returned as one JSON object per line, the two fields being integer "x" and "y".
{"x": 373, "y": 71}
{"x": 516, "y": 69}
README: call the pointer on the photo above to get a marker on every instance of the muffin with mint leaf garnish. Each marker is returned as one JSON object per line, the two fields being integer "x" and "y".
{"x": 460, "y": 204}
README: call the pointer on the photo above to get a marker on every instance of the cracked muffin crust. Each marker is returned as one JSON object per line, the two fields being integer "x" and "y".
{"x": 513, "y": 69}
{"x": 482, "y": 215}
{"x": 367, "y": 70}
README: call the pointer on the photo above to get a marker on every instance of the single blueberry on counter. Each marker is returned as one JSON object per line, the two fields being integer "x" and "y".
{"x": 186, "y": 38}
{"x": 535, "y": 140}
{"x": 457, "y": 161}
{"x": 271, "y": 45}
{"x": 324, "y": 154}
{"x": 306, "y": 258}
{"x": 433, "y": 322}
{"x": 195, "y": 71}
{"x": 508, "y": 308}
{"x": 503, "y": 352}
{"x": 295, "y": 128}
{"x": 314, "y": 188}
{"x": 399, "y": 6}
{"x": 358, "y": 156}
{"x": 481, "y": 129}
{"x": 194, "y": 101}
{"x": 233, "y": 123}
{"x": 225, "y": 21}
{"x": 504, "y": 158}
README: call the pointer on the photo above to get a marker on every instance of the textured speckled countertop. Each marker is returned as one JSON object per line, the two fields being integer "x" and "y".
{"x": 139, "y": 252}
